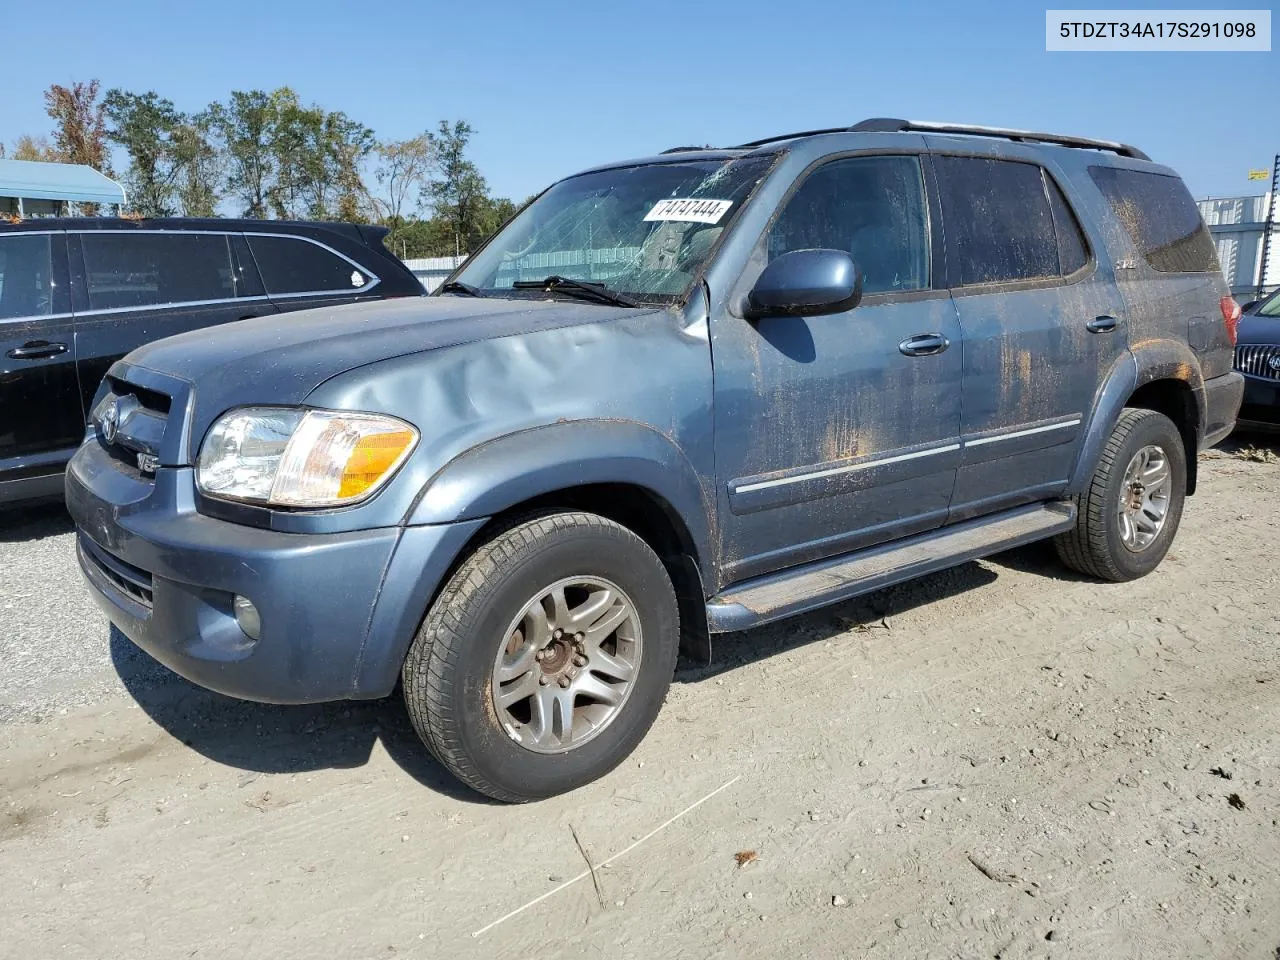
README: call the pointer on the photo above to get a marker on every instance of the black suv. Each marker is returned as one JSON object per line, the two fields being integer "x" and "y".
{"x": 78, "y": 294}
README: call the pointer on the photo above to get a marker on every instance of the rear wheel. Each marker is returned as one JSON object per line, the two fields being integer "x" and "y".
{"x": 1129, "y": 513}
{"x": 546, "y": 657}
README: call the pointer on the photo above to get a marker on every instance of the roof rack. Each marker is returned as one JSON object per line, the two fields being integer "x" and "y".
{"x": 891, "y": 125}
{"x": 791, "y": 136}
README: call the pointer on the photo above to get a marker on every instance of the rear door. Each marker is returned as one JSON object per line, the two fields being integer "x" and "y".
{"x": 1042, "y": 324}
{"x": 41, "y": 419}
{"x": 131, "y": 287}
{"x": 300, "y": 272}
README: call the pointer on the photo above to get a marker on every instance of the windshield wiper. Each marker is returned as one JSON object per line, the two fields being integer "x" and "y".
{"x": 457, "y": 286}
{"x": 577, "y": 288}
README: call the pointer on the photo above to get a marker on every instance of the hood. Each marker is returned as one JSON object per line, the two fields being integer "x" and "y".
{"x": 309, "y": 346}
{"x": 1255, "y": 329}
{"x": 281, "y": 359}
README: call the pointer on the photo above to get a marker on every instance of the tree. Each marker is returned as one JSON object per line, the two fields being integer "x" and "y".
{"x": 458, "y": 193}
{"x": 401, "y": 171}
{"x": 144, "y": 125}
{"x": 318, "y": 156}
{"x": 200, "y": 166}
{"x": 422, "y": 238}
{"x": 287, "y": 143}
{"x": 497, "y": 211}
{"x": 173, "y": 165}
{"x": 288, "y": 160}
{"x": 27, "y": 147}
{"x": 349, "y": 153}
{"x": 327, "y": 181}
{"x": 247, "y": 128}
{"x": 80, "y": 130}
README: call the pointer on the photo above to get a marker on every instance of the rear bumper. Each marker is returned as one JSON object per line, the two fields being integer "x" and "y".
{"x": 338, "y": 611}
{"x": 1222, "y": 396}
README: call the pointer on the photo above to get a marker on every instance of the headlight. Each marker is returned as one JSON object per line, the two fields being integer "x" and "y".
{"x": 301, "y": 458}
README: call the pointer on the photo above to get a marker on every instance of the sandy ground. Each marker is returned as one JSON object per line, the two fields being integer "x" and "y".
{"x": 1001, "y": 761}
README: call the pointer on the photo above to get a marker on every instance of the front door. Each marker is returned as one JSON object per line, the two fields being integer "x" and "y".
{"x": 41, "y": 420}
{"x": 837, "y": 432}
{"x": 1042, "y": 322}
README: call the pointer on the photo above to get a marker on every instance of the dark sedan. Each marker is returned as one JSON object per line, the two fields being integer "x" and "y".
{"x": 1258, "y": 358}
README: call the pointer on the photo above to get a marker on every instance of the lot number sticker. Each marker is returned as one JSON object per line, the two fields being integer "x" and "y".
{"x": 690, "y": 210}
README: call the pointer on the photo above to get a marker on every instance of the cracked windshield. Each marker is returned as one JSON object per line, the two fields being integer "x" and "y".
{"x": 643, "y": 231}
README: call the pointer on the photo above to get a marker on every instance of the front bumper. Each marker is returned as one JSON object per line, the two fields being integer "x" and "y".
{"x": 338, "y": 610}
{"x": 1261, "y": 407}
{"x": 1221, "y": 406}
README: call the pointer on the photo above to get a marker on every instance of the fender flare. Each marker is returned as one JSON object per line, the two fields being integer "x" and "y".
{"x": 454, "y": 505}
{"x": 501, "y": 473}
{"x": 1143, "y": 363}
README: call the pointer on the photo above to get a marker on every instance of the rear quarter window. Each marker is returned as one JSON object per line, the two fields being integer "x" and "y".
{"x": 1160, "y": 217}
{"x": 292, "y": 266}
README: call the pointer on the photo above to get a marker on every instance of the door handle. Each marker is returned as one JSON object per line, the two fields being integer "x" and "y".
{"x": 36, "y": 350}
{"x": 923, "y": 345}
{"x": 1103, "y": 324}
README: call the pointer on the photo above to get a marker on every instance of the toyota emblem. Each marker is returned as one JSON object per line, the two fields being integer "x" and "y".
{"x": 110, "y": 421}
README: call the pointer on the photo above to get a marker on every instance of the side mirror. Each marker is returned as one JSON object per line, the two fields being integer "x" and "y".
{"x": 1249, "y": 306}
{"x": 806, "y": 283}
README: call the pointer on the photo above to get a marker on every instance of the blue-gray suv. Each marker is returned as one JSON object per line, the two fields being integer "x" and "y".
{"x": 673, "y": 397}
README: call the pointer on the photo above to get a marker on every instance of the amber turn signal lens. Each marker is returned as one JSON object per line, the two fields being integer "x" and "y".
{"x": 370, "y": 460}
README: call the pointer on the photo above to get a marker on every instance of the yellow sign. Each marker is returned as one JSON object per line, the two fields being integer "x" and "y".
{"x": 1259, "y": 174}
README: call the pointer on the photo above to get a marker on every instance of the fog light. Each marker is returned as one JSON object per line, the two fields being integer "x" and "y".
{"x": 247, "y": 617}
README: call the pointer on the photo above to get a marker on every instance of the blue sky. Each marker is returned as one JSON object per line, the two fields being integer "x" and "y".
{"x": 551, "y": 87}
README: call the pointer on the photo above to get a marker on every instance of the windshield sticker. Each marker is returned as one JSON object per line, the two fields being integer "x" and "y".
{"x": 690, "y": 210}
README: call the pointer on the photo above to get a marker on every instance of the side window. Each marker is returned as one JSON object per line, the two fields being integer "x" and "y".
{"x": 873, "y": 207}
{"x": 292, "y": 265}
{"x": 1160, "y": 217}
{"x": 999, "y": 225}
{"x": 150, "y": 269}
{"x": 26, "y": 282}
{"x": 1073, "y": 251}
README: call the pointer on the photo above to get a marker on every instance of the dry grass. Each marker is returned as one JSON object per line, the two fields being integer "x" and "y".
{"x": 1256, "y": 454}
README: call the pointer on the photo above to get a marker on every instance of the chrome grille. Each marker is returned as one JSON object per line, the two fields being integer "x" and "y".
{"x": 1259, "y": 360}
{"x": 130, "y": 422}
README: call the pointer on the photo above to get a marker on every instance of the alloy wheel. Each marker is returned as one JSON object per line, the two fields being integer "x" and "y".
{"x": 1144, "y": 498}
{"x": 567, "y": 664}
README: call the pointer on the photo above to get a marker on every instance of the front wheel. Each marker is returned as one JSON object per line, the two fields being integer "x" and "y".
{"x": 1129, "y": 513}
{"x": 546, "y": 657}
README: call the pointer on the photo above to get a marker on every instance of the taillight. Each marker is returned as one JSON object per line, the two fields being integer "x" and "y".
{"x": 1230, "y": 316}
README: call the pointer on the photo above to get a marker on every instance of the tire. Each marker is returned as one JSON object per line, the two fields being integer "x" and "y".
{"x": 1097, "y": 545}
{"x": 488, "y": 619}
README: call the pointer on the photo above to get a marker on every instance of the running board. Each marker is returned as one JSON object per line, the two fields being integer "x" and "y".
{"x": 814, "y": 585}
